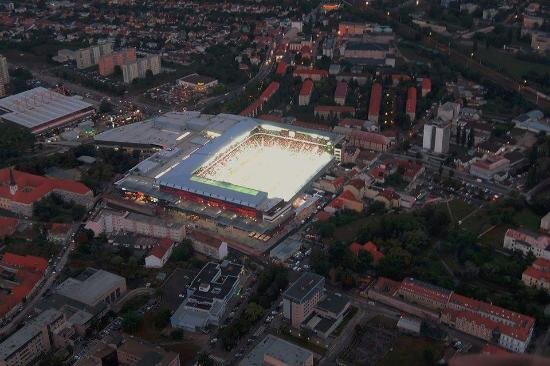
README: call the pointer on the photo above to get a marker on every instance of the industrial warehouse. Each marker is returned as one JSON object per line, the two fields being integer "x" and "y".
{"x": 40, "y": 110}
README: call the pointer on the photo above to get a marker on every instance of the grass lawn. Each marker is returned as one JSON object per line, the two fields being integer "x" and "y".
{"x": 350, "y": 232}
{"x": 412, "y": 351}
{"x": 527, "y": 219}
{"x": 460, "y": 209}
{"x": 512, "y": 66}
{"x": 477, "y": 223}
{"x": 494, "y": 237}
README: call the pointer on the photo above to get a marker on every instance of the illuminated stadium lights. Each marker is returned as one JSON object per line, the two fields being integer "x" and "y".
{"x": 275, "y": 165}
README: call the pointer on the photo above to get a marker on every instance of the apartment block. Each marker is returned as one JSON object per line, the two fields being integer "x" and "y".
{"x": 4, "y": 76}
{"x": 139, "y": 68}
{"x": 27, "y": 344}
{"x": 300, "y": 298}
{"x": 437, "y": 136}
{"x": 87, "y": 57}
{"x": 110, "y": 222}
{"x": 108, "y": 62}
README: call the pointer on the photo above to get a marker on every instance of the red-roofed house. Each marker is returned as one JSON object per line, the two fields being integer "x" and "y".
{"x": 340, "y": 93}
{"x": 525, "y": 242}
{"x": 334, "y": 185}
{"x": 281, "y": 68}
{"x": 305, "y": 92}
{"x": 208, "y": 245}
{"x": 374, "y": 103}
{"x": 159, "y": 255}
{"x": 513, "y": 330}
{"x": 389, "y": 198}
{"x": 19, "y": 191}
{"x": 345, "y": 201}
{"x": 425, "y": 294}
{"x": 426, "y": 86}
{"x": 313, "y": 74}
{"x": 410, "y": 107}
{"x": 8, "y": 226}
{"x": 357, "y": 187}
{"x": 368, "y": 247}
{"x": 368, "y": 140}
{"x": 538, "y": 274}
{"x": 337, "y": 111}
{"x": 256, "y": 107}
{"x": 21, "y": 276}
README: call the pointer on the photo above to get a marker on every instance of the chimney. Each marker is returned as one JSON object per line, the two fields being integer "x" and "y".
{"x": 13, "y": 184}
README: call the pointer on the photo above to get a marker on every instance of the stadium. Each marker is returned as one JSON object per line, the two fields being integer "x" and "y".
{"x": 253, "y": 169}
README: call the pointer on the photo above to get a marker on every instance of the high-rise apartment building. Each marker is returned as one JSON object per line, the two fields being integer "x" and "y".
{"x": 108, "y": 62}
{"x": 437, "y": 135}
{"x": 139, "y": 68}
{"x": 4, "y": 76}
{"x": 90, "y": 56}
{"x": 300, "y": 298}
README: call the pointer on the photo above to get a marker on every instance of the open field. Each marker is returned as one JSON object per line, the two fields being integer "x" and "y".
{"x": 511, "y": 65}
{"x": 412, "y": 351}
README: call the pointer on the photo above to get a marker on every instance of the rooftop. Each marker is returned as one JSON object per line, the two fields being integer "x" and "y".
{"x": 283, "y": 351}
{"x": 90, "y": 285}
{"x": 28, "y": 332}
{"x": 304, "y": 286}
{"x": 39, "y": 106}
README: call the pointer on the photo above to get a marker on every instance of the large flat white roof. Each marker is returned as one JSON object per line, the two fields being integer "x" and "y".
{"x": 40, "y": 106}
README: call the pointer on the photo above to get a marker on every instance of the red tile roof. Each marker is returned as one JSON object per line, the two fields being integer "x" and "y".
{"x": 308, "y": 73}
{"x": 335, "y": 108}
{"x": 371, "y": 137}
{"x": 411, "y": 100}
{"x": 281, "y": 68}
{"x": 375, "y": 99}
{"x": 341, "y": 90}
{"x": 204, "y": 238}
{"x": 426, "y": 290}
{"x": 28, "y": 271}
{"x": 32, "y": 188}
{"x": 25, "y": 261}
{"x": 368, "y": 247}
{"x": 269, "y": 91}
{"x": 161, "y": 248}
{"x": 426, "y": 84}
{"x": 307, "y": 87}
{"x": 351, "y": 122}
{"x": 537, "y": 274}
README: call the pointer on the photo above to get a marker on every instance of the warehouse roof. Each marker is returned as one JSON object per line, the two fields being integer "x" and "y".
{"x": 40, "y": 106}
{"x": 286, "y": 352}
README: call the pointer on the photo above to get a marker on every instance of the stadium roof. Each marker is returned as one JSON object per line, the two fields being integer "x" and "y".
{"x": 162, "y": 131}
{"x": 40, "y": 106}
{"x": 181, "y": 175}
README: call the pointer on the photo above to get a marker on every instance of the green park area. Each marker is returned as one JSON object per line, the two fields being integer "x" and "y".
{"x": 412, "y": 351}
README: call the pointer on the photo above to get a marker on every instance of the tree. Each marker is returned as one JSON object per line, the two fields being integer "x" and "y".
{"x": 253, "y": 312}
{"x": 204, "y": 360}
{"x": 177, "y": 334}
{"x": 131, "y": 321}
{"x": 105, "y": 106}
{"x": 162, "y": 318}
{"x": 364, "y": 261}
{"x": 183, "y": 252}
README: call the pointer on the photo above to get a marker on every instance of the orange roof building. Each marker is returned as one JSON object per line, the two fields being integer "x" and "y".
{"x": 20, "y": 277}
{"x": 368, "y": 247}
{"x": 19, "y": 191}
{"x": 305, "y": 92}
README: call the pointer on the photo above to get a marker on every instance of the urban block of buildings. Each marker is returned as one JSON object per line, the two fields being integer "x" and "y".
{"x": 307, "y": 304}
{"x": 20, "y": 276}
{"x": 526, "y": 243}
{"x": 508, "y": 329}
{"x": 208, "y": 295}
{"x": 275, "y": 351}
